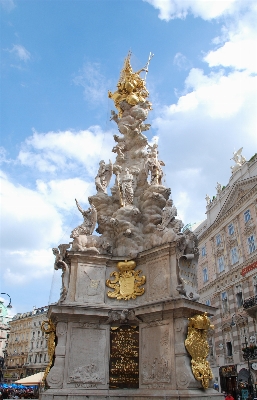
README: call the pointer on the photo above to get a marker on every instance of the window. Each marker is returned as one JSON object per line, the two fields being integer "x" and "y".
{"x": 208, "y": 302}
{"x": 239, "y": 299}
{"x": 251, "y": 244}
{"x": 221, "y": 265}
{"x": 205, "y": 275}
{"x": 247, "y": 215}
{"x": 255, "y": 284}
{"x": 40, "y": 358}
{"x": 231, "y": 229}
{"x": 229, "y": 349}
{"x": 218, "y": 239}
{"x": 224, "y": 298}
{"x": 203, "y": 251}
{"x": 36, "y": 359}
{"x": 45, "y": 357}
{"x": 234, "y": 256}
{"x": 38, "y": 333}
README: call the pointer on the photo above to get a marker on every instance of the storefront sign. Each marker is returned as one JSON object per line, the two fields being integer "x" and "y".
{"x": 249, "y": 268}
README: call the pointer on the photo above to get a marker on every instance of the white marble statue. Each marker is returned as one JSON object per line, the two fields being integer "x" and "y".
{"x": 103, "y": 176}
{"x": 126, "y": 188}
{"x": 59, "y": 263}
{"x": 218, "y": 188}
{"x": 153, "y": 165}
{"x": 208, "y": 199}
{"x": 239, "y": 160}
{"x": 88, "y": 226}
{"x": 169, "y": 213}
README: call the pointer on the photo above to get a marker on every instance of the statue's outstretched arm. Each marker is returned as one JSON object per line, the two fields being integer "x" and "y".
{"x": 79, "y": 208}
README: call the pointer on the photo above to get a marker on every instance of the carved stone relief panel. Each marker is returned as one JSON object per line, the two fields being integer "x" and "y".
{"x": 90, "y": 285}
{"x": 158, "y": 278}
{"x": 88, "y": 356}
{"x": 155, "y": 354}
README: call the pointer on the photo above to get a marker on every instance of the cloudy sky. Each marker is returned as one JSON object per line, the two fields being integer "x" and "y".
{"x": 59, "y": 59}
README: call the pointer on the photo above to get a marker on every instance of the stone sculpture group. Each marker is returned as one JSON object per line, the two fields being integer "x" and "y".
{"x": 138, "y": 214}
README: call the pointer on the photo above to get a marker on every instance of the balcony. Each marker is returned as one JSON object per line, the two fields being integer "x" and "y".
{"x": 250, "y": 306}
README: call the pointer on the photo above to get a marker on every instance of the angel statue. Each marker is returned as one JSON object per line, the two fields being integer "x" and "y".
{"x": 59, "y": 263}
{"x": 103, "y": 176}
{"x": 88, "y": 226}
{"x": 169, "y": 213}
{"x": 153, "y": 165}
{"x": 239, "y": 160}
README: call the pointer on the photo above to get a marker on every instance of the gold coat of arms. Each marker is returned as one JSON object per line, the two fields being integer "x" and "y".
{"x": 127, "y": 282}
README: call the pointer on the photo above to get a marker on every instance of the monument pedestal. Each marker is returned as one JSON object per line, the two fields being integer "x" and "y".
{"x": 127, "y": 293}
{"x": 124, "y": 349}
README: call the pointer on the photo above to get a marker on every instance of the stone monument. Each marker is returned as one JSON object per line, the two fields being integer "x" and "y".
{"x": 128, "y": 322}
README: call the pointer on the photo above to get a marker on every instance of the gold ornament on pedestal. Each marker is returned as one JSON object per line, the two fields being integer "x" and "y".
{"x": 127, "y": 283}
{"x": 50, "y": 330}
{"x": 197, "y": 345}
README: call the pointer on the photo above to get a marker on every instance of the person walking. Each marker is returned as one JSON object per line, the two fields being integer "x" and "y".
{"x": 229, "y": 397}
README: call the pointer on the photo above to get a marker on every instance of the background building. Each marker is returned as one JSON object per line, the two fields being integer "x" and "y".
{"x": 227, "y": 271}
{"x": 27, "y": 345}
{"x": 4, "y": 334}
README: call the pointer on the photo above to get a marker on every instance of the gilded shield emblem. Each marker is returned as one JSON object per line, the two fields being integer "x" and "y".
{"x": 126, "y": 283}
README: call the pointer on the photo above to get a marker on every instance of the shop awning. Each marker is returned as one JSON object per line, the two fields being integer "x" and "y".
{"x": 31, "y": 380}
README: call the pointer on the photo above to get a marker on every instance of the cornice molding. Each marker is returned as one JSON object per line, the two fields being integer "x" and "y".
{"x": 228, "y": 276}
{"x": 221, "y": 219}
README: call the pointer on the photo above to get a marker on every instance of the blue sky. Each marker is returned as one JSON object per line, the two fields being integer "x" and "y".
{"x": 59, "y": 59}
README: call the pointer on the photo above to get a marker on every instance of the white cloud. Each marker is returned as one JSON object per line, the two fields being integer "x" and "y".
{"x": 20, "y": 52}
{"x": 61, "y": 193}
{"x": 95, "y": 85}
{"x": 216, "y": 115}
{"x": 181, "y": 61}
{"x": 28, "y": 221}
{"x": 67, "y": 150}
{"x": 7, "y": 5}
{"x": 237, "y": 43}
{"x": 217, "y": 95}
{"x": 206, "y": 9}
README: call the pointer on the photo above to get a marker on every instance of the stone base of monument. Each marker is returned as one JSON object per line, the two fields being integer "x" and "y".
{"x": 124, "y": 349}
{"x": 130, "y": 394}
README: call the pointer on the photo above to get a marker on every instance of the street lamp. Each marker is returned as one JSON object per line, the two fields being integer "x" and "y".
{"x": 10, "y": 301}
{"x": 249, "y": 353}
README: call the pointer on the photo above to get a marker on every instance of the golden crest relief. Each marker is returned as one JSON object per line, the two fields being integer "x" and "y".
{"x": 126, "y": 283}
{"x": 197, "y": 346}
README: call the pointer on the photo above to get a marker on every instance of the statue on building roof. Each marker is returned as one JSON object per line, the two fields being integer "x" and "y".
{"x": 239, "y": 160}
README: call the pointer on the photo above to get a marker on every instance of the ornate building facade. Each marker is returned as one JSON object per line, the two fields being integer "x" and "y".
{"x": 227, "y": 271}
{"x": 27, "y": 345}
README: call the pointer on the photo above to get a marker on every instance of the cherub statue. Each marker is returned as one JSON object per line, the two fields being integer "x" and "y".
{"x": 103, "y": 176}
{"x": 88, "y": 226}
{"x": 169, "y": 213}
{"x": 59, "y": 263}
